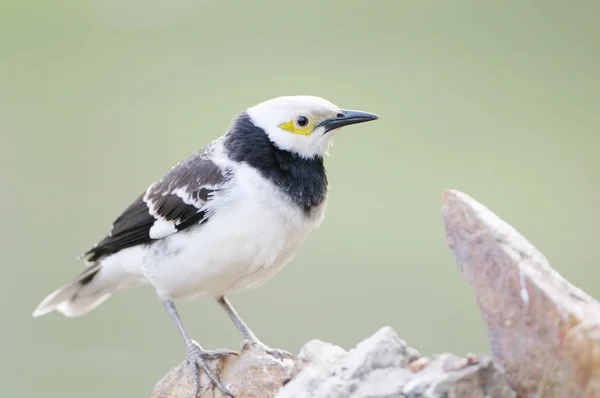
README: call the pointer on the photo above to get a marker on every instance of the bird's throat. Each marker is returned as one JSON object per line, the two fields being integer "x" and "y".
{"x": 303, "y": 180}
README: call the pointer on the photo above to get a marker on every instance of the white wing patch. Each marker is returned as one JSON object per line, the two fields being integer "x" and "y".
{"x": 161, "y": 229}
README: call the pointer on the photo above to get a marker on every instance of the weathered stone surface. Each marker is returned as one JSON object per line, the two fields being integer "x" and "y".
{"x": 543, "y": 330}
{"x": 544, "y": 333}
{"x": 254, "y": 374}
{"x": 384, "y": 366}
{"x": 380, "y": 366}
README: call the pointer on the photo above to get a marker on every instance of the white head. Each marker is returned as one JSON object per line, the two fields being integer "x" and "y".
{"x": 303, "y": 124}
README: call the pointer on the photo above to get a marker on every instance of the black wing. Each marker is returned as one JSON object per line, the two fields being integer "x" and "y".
{"x": 171, "y": 204}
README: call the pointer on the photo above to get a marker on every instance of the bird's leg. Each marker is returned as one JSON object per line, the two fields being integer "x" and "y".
{"x": 197, "y": 356}
{"x": 249, "y": 337}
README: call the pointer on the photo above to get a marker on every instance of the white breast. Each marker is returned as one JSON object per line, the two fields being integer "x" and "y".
{"x": 254, "y": 232}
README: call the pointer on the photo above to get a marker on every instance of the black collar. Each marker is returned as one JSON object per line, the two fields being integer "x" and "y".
{"x": 303, "y": 180}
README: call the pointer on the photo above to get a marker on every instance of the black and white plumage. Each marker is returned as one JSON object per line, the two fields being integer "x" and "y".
{"x": 174, "y": 203}
{"x": 226, "y": 218}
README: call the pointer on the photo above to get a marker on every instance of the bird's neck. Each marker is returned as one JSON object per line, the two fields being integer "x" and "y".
{"x": 303, "y": 180}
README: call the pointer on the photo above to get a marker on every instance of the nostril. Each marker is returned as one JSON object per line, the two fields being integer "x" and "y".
{"x": 340, "y": 115}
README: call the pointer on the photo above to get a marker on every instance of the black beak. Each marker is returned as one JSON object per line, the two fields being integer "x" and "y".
{"x": 346, "y": 118}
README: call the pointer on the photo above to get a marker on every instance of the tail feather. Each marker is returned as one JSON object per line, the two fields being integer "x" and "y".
{"x": 74, "y": 299}
{"x": 81, "y": 305}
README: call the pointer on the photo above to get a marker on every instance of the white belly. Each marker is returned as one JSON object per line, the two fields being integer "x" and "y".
{"x": 251, "y": 236}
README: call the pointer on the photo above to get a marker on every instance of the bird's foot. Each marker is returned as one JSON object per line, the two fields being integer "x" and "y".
{"x": 274, "y": 352}
{"x": 198, "y": 357}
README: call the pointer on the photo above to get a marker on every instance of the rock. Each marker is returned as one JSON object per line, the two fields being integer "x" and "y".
{"x": 254, "y": 374}
{"x": 544, "y": 331}
{"x": 384, "y": 366}
{"x": 380, "y": 366}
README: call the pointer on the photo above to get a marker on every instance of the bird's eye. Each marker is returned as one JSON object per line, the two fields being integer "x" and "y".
{"x": 302, "y": 121}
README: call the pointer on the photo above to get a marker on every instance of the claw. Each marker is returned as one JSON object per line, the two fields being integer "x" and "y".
{"x": 212, "y": 354}
{"x": 274, "y": 352}
{"x": 216, "y": 354}
{"x": 279, "y": 354}
{"x": 198, "y": 357}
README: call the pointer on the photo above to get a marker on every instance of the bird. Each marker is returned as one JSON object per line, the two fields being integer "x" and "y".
{"x": 226, "y": 218}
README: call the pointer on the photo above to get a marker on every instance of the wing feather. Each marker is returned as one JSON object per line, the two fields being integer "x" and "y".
{"x": 174, "y": 203}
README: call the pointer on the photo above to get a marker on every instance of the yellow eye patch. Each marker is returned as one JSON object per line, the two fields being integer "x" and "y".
{"x": 293, "y": 127}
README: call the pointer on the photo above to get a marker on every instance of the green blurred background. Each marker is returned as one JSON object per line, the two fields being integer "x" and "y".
{"x": 99, "y": 97}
